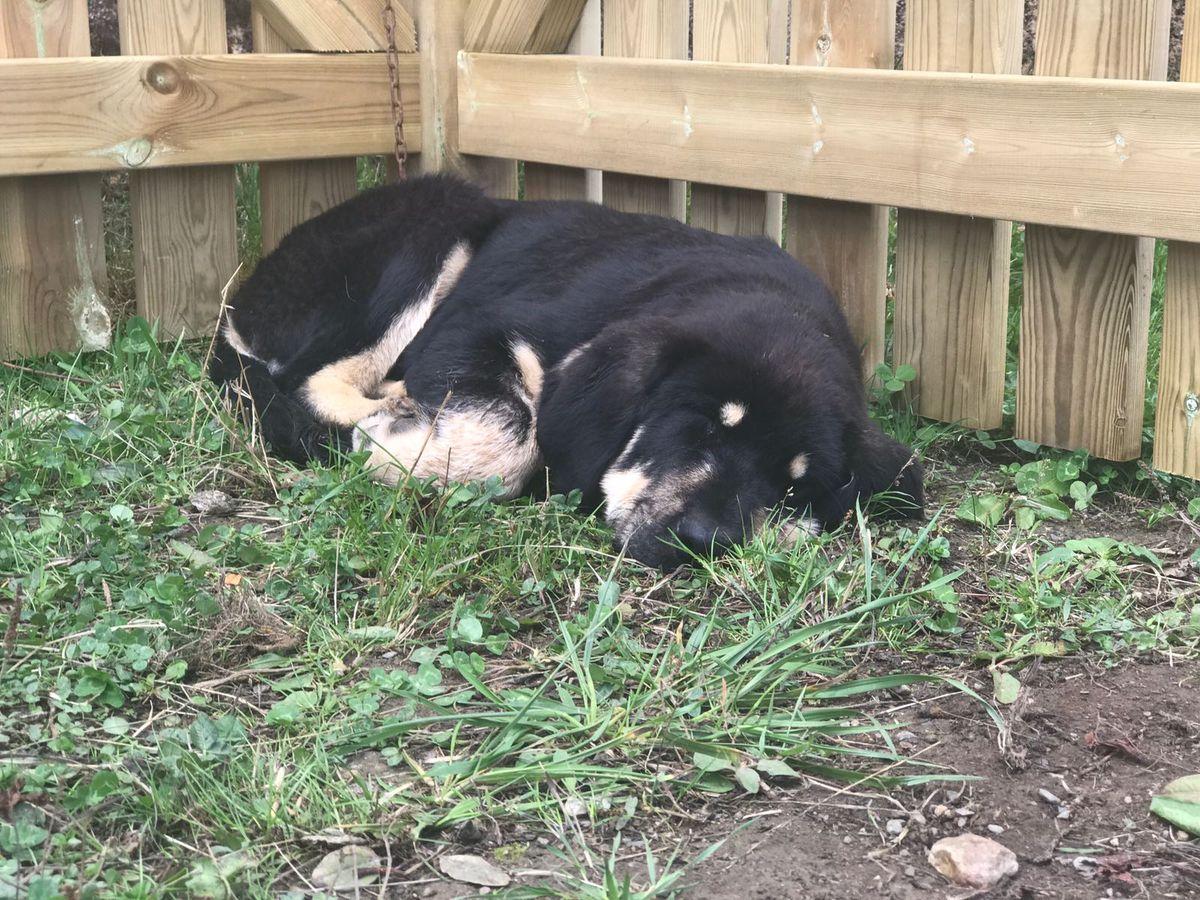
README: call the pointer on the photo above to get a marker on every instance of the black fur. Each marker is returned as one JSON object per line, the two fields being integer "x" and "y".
{"x": 674, "y": 323}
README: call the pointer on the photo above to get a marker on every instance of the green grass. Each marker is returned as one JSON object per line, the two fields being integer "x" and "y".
{"x": 199, "y": 705}
{"x": 187, "y": 700}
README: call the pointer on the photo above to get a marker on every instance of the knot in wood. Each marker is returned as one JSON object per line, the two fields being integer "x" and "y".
{"x": 1191, "y": 406}
{"x": 824, "y": 43}
{"x": 163, "y": 78}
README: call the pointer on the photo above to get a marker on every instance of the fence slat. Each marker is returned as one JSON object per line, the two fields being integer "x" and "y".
{"x": 738, "y": 31}
{"x": 1085, "y": 320}
{"x": 845, "y": 243}
{"x": 184, "y": 222}
{"x": 952, "y": 272}
{"x": 548, "y": 182}
{"x": 336, "y": 25}
{"x": 646, "y": 29}
{"x": 522, "y": 26}
{"x": 45, "y": 257}
{"x": 1177, "y": 434}
{"x": 442, "y": 27}
{"x": 294, "y": 192}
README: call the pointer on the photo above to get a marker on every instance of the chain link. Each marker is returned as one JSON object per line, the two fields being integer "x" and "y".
{"x": 393, "y": 54}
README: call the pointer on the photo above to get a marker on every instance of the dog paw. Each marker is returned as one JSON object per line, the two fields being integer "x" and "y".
{"x": 395, "y": 414}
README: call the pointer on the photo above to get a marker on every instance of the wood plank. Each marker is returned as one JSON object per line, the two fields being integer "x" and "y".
{"x": 845, "y": 243}
{"x": 644, "y": 29}
{"x": 544, "y": 182}
{"x": 100, "y": 114}
{"x": 736, "y": 31}
{"x": 294, "y": 192}
{"x": 952, "y": 272}
{"x": 52, "y": 269}
{"x": 522, "y": 26}
{"x": 336, "y": 25}
{"x": 998, "y": 146}
{"x": 1177, "y": 433}
{"x": 1085, "y": 321}
{"x": 442, "y": 27}
{"x": 184, "y": 222}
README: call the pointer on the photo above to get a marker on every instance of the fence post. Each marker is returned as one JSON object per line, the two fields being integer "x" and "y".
{"x": 739, "y": 32}
{"x": 184, "y": 220}
{"x": 546, "y": 182}
{"x": 845, "y": 243}
{"x": 646, "y": 29}
{"x": 1177, "y": 435}
{"x": 1085, "y": 322}
{"x": 294, "y": 192}
{"x": 952, "y": 272}
{"x": 47, "y": 260}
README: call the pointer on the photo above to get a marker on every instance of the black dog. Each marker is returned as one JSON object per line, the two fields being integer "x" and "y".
{"x": 691, "y": 383}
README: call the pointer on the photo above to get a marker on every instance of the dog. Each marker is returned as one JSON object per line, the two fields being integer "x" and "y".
{"x": 689, "y": 384}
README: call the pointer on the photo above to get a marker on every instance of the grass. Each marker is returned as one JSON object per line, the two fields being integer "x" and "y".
{"x": 204, "y": 694}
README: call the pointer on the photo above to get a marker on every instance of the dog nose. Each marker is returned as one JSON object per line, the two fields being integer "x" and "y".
{"x": 703, "y": 534}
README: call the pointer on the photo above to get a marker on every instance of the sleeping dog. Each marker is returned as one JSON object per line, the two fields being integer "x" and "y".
{"x": 690, "y": 384}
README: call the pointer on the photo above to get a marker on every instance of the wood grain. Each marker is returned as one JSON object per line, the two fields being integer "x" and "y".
{"x": 845, "y": 243}
{"x": 442, "y": 28}
{"x": 997, "y": 146}
{"x": 952, "y": 272}
{"x": 644, "y": 29}
{"x": 52, "y": 240}
{"x": 544, "y": 182}
{"x": 184, "y": 222}
{"x": 1086, "y": 315}
{"x": 114, "y": 113}
{"x": 522, "y": 26}
{"x": 737, "y": 31}
{"x": 1177, "y": 435}
{"x": 336, "y": 25}
{"x": 294, "y": 192}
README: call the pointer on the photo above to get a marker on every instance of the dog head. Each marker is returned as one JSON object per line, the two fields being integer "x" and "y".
{"x": 692, "y": 434}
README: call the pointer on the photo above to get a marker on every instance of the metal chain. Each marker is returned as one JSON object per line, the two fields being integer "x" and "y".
{"x": 393, "y": 54}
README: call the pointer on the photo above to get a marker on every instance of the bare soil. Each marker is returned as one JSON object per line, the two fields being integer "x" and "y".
{"x": 1102, "y": 742}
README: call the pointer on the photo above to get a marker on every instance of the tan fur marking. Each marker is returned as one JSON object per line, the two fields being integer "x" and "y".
{"x": 732, "y": 414}
{"x": 530, "y": 369}
{"x": 798, "y": 466}
{"x": 655, "y": 501}
{"x": 622, "y": 488}
{"x": 793, "y": 531}
{"x": 462, "y": 446}
{"x": 573, "y": 355}
{"x": 338, "y": 393}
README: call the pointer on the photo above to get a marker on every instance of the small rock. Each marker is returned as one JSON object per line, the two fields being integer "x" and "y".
{"x": 1128, "y": 799}
{"x": 910, "y": 871}
{"x": 543, "y": 841}
{"x": 847, "y": 840}
{"x": 895, "y": 826}
{"x": 1049, "y": 797}
{"x": 942, "y": 811}
{"x": 472, "y": 869}
{"x": 574, "y": 807}
{"x": 972, "y": 861}
{"x": 916, "y": 817}
{"x": 213, "y": 503}
{"x": 996, "y": 829}
{"x": 1064, "y": 812}
{"x": 965, "y": 811}
{"x": 907, "y": 737}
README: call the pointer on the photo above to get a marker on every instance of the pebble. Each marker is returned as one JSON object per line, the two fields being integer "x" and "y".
{"x": 1128, "y": 800}
{"x": 847, "y": 840}
{"x": 1049, "y": 797}
{"x": 996, "y": 829}
{"x": 910, "y": 871}
{"x": 895, "y": 826}
{"x": 1064, "y": 812}
{"x": 907, "y": 737}
{"x": 942, "y": 811}
{"x": 972, "y": 861}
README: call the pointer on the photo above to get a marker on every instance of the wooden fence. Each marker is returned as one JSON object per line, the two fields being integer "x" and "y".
{"x": 789, "y": 120}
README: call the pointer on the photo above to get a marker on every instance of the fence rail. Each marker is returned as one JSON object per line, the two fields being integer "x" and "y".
{"x": 795, "y": 98}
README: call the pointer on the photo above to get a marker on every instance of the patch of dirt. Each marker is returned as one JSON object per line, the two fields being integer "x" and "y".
{"x": 827, "y": 846}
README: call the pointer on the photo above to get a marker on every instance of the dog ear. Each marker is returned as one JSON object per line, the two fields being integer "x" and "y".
{"x": 592, "y": 402}
{"x": 881, "y": 465}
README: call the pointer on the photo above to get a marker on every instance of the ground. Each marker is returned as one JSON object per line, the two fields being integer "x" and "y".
{"x": 219, "y": 669}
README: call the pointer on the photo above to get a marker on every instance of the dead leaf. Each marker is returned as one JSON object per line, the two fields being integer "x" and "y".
{"x": 346, "y": 869}
{"x": 1120, "y": 745}
{"x": 471, "y": 869}
{"x": 232, "y": 579}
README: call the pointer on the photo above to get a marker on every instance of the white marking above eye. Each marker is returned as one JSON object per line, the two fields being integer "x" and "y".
{"x": 732, "y": 414}
{"x": 798, "y": 466}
